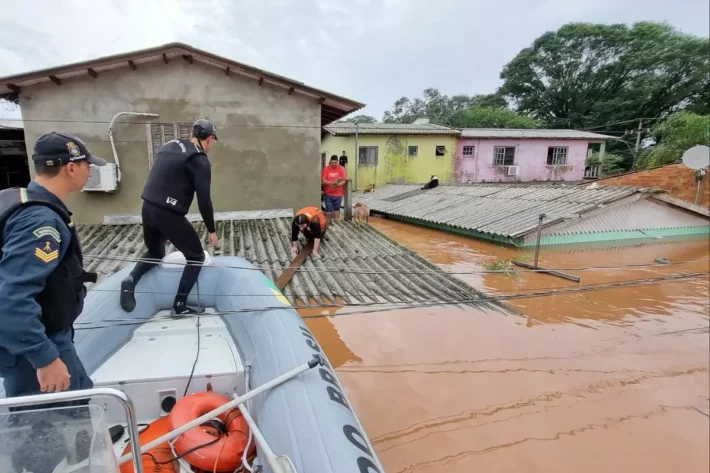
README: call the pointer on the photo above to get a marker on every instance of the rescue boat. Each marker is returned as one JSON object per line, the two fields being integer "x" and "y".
{"x": 245, "y": 386}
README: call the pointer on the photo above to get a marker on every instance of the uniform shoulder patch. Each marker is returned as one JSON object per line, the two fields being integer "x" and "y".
{"x": 46, "y": 250}
{"x": 46, "y": 231}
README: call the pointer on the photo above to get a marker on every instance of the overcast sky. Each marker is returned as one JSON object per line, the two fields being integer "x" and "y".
{"x": 368, "y": 50}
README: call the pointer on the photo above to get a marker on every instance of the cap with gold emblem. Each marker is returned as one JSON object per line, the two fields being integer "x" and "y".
{"x": 57, "y": 149}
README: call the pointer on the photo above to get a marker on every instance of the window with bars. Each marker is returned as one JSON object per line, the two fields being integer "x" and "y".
{"x": 368, "y": 156}
{"x": 161, "y": 133}
{"x": 468, "y": 150}
{"x": 504, "y": 156}
{"x": 556, "y": 155}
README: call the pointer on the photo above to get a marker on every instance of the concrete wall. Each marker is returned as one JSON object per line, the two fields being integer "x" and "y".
{"x": 394, "y": 163}
{"x": 530, "y": 155}
{"x": 676, "y": 179}
{"x": 261, "y": 160}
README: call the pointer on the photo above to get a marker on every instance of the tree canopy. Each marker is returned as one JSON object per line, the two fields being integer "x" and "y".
{"x": 487, "y": 117}
{"x": 361, "y": 119}
{"x": 674, "y": 136}
{"x": 591, "y": 74}
{"x": 438, "y": 108}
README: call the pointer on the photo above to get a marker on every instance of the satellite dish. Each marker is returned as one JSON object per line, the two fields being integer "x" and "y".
{"x": 697, "y": 157}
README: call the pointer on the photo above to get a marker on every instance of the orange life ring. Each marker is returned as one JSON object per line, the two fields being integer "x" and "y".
{"x": 162, "y": 454}
{"x": 198, "y": 445}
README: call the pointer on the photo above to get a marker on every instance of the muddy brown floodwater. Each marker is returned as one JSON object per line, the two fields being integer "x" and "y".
{"x": 612, "y": 380}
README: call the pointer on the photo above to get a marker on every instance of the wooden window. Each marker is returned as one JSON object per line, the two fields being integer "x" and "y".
{"x": 161, "y": 133}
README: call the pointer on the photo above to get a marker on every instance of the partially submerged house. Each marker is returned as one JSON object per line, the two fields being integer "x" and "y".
{"x": 393, "y": 153}
{"x": 508, "y": 155}
{"x": 390, "y": 153}
{"x": 358, "y": 265}
{"x": 509, "y": 213}
{"x": 126, "y": 106}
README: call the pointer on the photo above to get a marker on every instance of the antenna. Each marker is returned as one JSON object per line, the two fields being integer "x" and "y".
{"x": 697, "y": 157}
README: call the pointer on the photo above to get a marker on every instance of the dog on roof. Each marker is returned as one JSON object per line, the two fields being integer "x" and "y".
{"x": 433, "y": 182}
{"x": 361, "y": 213}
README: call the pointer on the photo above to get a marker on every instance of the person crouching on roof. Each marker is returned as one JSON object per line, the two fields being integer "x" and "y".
{"x": 312, "y": 223}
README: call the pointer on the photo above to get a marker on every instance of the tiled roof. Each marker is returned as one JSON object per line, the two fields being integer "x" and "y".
{"x": 504, "y": 210}
{"x": 532, "y": 134}
{"x": 395, "y": 273}
{"x": 344, "y": 129}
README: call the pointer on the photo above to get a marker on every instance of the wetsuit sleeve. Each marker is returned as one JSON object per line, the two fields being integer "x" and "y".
{"x": 201, "y": 176}
{"x": 35, "y": 241}
{"x": 315, "y": 229}
{"x": 294, "y": 231}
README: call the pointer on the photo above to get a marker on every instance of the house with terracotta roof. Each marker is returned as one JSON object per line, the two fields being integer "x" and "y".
{"x": 126, "y": 106}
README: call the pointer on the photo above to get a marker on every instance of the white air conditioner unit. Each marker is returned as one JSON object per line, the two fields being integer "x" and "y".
{"x": 103, "y": 179}
{"x": 513, "y": 170}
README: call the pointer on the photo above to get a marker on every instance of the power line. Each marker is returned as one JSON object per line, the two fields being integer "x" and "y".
{"x": 619, "y": 123}
{"x": 335, "y": 269}
{"x": 479, "y": 299}
{"x": 411, "y": 305}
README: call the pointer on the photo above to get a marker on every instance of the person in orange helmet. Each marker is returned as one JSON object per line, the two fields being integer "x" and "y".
{"x": 312, "y": 223}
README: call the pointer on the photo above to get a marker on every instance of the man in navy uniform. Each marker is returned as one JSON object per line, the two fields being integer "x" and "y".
{"x": 41, "y": 273}
{"x": 41, "y": 294}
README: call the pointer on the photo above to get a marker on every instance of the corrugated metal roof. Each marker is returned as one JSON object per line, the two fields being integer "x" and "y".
{"x": 336, "y": 277}
{"x": 641, "y": 215}
{"x": 504, "y": 210}
{"x": 532, "y": 134}
{"x": 344, "y": 129}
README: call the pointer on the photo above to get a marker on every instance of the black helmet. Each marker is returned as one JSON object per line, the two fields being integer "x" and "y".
{"x": 203, "y": 128}
{"x": 301, "y": 219}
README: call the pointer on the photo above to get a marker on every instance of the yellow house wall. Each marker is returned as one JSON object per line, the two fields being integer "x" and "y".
{"x": 393, "y": 163}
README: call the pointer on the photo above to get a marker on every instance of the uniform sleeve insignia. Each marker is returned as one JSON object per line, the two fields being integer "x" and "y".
{"x": 52, "y": 232}
{"x": 46, "y": 251}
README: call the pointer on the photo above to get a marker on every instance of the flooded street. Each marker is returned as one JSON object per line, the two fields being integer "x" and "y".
{"x": 605, "y": 380}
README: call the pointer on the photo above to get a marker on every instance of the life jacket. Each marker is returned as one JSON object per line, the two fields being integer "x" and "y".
{"x": 312, "y": 213}
{"x": 167, "y": 185}
{"x": 62, "y": 298}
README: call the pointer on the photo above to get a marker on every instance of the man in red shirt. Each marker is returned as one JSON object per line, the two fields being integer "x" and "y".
{"x": 333, "y": 179}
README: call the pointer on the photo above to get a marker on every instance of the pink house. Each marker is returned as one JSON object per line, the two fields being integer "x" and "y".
{"x": 508, "y": 155}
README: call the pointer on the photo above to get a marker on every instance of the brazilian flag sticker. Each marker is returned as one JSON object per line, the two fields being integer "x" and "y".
{"x": 275, "y": 290}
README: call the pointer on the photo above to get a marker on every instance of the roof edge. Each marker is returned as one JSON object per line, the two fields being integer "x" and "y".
{"x": 14, "y": 81}
{"x": 683, "y": 204}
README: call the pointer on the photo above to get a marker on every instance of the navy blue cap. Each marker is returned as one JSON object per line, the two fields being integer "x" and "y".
{"x": 58, "y": 149}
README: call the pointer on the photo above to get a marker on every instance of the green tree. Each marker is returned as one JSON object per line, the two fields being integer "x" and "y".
{"x": 437, "y": 107}
{"x": 674, "y": 136}
{"x": 613, "y": 163}
{"x": 586, "y": 75}
{"x": 487, "y": 117}
{"x": 361, "y": 119}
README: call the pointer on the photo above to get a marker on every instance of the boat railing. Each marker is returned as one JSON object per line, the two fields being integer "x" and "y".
{"x": 39, "y": 429}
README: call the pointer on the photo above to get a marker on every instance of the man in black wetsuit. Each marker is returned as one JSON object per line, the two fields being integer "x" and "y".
{"x": 181, "y": 169}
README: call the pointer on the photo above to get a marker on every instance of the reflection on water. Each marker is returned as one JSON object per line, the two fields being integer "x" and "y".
{"x": 612, "y": 380}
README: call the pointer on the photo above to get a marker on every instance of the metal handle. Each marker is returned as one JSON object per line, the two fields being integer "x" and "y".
{"x": 82, "y": 394}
